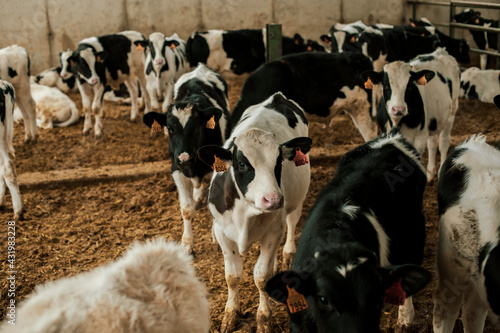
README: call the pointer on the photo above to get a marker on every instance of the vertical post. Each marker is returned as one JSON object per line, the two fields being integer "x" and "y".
{"x": 414, "y": 11}
{"x": 452, "y": 14}
{"x": 274, "y": 44}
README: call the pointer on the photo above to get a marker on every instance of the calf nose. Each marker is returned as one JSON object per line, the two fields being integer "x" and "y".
{"x": 159, "y": 61}
{"x": 398, "y": 110}
{"x": 183, "y": 158}
{"x": 272, "y": 201}
{"x": 94, "y": 81}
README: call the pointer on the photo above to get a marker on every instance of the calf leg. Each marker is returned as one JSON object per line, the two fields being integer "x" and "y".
{"x": 233, "y": 272}
{"x": 432, "y": 150}
{"x": 131, "y": 84}
{"x": 141, "y": 77}
{"x": 474, "y": 312}
{"x": 289, "y": 248}
{"x": 444, "y": 142}
{"x": 406, "y": 312}
{"x": 9, "y": 175}
{"x": 27, "y": 106}
{"x": 188, "y": 207}
{"x": 483, "y": 61}
{"x": 169, "y": 95}
{"x": 2, "y": 193}
{"x": 98, "y": 109}
{"x": 86, "y": 93}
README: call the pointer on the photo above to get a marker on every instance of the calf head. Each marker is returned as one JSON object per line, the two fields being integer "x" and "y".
{"x": 66, "y": 70}
{"x": 87, "y": 63}
{"x": 400, "y": 90}
{"x": 255, "y": 162}
{"x": 187, "y": 129}
{"x": 344, "y": 287}
{"x": 468, "y": 16}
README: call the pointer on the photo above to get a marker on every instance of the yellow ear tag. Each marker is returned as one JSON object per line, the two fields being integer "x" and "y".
{"x": 296, "y": 302}
{"x": 140, "y": 48}
{"x": 156, "y": 127}
{"x": 422, "y": 81}
{"x": 368, "y": 84}
{"x": 219, "y": 165}
{"x": 210, "y": 123}
{"x": 172, "y": 46}
{"x": 300, "y": 158}
{"x": 352, "y": 40}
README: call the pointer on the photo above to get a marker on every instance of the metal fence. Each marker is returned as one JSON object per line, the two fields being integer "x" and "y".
{"x": 452, "y": 25}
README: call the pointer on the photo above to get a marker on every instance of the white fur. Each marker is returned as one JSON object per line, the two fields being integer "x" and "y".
{"x": 151, "y": 288}
{"x": 344, "y": 269}
{"x": 463, "y": 230}
{"x": 486, "y": 82}
{"x": 16, "y": 57}
{"x": 53, "y": 108}
{"x": 258, "y": 136}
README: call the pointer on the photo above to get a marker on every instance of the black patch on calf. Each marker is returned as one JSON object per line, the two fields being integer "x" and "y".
{"x": 426, "y": 58}
{"x": 12, "y": 72}
{"x": 149, "y": 68}
{"x": 451, "y": 181}
{"x": 222, "y": 192}
{"x": 244, "y": 173}
{"x": 278, "y": 168}
{"x": 432, "y": 125}
{"x": 287, "y": 109}
{"x": 472, "y": 94}
{"x": 2, "y": 107}
{"x": 197, "y": 49}
{"x": 492, "y": 279}
{"x": 441, "y": 77}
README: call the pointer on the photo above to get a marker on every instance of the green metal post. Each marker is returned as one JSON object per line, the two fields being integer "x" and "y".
{"x": 274, "y": 45}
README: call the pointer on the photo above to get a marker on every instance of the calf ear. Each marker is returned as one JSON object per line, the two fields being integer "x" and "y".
{"x": 143, "y": 43}
{"x": 100, "y": 56}
{"x": 207, "y": 154}
{"x": 289, "y": 148}
{"x": 151, "y": 117}
{"x": 496, "y": 100}
{"x": 298, "y": 40}
{"x": 326, "y": 39}
{"x": 276, "y": 287}
{"x": 206, "y": 115}
{"x": 422, "y": 77}
{"x": 413, "y": 277}
{"x": 172, "y": 44}
{"x": 374, "y": 77}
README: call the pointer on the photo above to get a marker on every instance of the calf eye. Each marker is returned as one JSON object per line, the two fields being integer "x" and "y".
{"x": 323, "y": 301}
{"x": 242, "y": 165}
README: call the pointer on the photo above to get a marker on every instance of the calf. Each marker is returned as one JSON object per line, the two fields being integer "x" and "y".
{"x": 321, "y": 83}
{"x": 484, "y": 40}
{"x": 468, "y": 254}
{"x": 8, "y": 173}
{"x": 151, "y": 288}
{"x": 259, "y": 196}
{"x": 53, "y": 108}
{"x": 354, "y": 246}
{"x": 479, "y": 84}
{"x": 165, "y": 63}
{"x": 424, "y": 114}
{"x": 15, "y": 69}
{"x": 107, "y": 60}
{"x": 52, "y": 78}
{"x": 199, "y": 116}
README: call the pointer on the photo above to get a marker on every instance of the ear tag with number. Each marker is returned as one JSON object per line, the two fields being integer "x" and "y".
{"x": 156, "y": 127}
{"x": 211, "y": 123}
{"x": 422, "y": 81}
{"x": 296, "y": 302}
{"x": 219, "y": 165}
{"x": 395, "y": 294}
{"x": 300, "y": 158}
{"x": 140, "y": 48}
{"x": 368, "y": 84}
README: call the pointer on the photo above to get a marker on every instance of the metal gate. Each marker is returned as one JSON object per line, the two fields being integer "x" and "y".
{"x": 452, "y": 25}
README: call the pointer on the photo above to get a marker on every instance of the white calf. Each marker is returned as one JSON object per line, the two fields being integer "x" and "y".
{"x": 479, "y": 84}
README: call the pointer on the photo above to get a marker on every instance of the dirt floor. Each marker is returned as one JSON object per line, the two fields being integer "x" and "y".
{"x": 75, "y": 226}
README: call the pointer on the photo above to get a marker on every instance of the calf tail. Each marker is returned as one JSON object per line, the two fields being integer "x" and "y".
{"x": 73, "y": 119}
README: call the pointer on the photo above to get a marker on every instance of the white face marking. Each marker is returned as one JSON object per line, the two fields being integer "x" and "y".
{"x": 350, "y": 210}
{"x": 157, "y": 39}
{"x": 399, "y": 76}
{"x": 65, "y": 74}
{"x": 89, "y": 56}
{"x": 383, "y": 239}
{"x": 182, "y": 114}
{"x": 344, "y": 269}
{"x": 340, "y": 38}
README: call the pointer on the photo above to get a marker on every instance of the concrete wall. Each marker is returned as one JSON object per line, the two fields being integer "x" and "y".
{"x": 46, "y": 27}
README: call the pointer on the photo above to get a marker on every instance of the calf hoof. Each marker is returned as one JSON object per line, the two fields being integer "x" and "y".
{"x": 86, "y": 132}
{"x": 230, "y": 322}
{"x": 188, "y": 246}
{"x": 98, "y": 137}
{"x": 287, "y": 261}
{"x": 19, "y": 216}
{"x": 264, "y": 324}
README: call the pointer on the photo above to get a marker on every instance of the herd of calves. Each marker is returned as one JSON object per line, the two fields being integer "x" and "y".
{"x": 362, "y": 243}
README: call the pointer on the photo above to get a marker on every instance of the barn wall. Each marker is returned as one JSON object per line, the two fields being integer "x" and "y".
{"x": 46, "y": 27}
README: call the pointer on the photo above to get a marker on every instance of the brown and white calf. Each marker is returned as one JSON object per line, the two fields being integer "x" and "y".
{"x": 7, "y": 171}
{"x": 107, "y": 60}
{"x": 259, "y": 196}
{"x": 15, "y": 69}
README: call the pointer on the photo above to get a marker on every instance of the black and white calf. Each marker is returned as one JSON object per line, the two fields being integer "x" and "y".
{"x": 8, "y": 173}
{"x": 424, "y": 114}
{"x": 484, "y": 40}
{"x": 480, "y": 84}
{"x": 166, "y": 62}
{"x": 15, "y": 69}
{"x": 107, "y": 61}
{"x": 200, "y": 99}
{"x": 259, "y": 196}
{"x": 324, "y": 84}
{"x": 365, "y": 233}
{"x": 468, "y": 254}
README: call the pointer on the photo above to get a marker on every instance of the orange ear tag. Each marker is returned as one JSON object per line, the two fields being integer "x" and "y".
{"x": 98, "y": 58}
{"x": 156, "y": 127}
{"x": 352, "y": 40}
{"x": 300, "y": 158}
{"x": 412, "y": 24}
{"x": 368, "y": 84}
{"x": 309, "y": 48}
{"x": 477, "y": 21}
{"x": 219, "y": 165}
{"x": 395, "y": 294}
{"x": 422, "y": 81}
{"x": 71, "y": 63}
{"x": 140, "y": 48}
{"x": 210, "y": 123}
{"x": 296, "y": 302}
{"x": 172, "y": 46}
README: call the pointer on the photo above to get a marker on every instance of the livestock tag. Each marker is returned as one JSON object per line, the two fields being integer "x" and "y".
{"x": 300, "y": 158}
{"x": 140, "y": 48}
{"x": 395, "y": 294}
{"x": 412, "y": 24}
{"x": 352, "y": 40}
{"x": 156, "y": 127}
{"x": 296, "y": 301}
{"x": 368, "y": 84}
{"x": 219, "y": 165}
{"x": 477, "y": 21}
{"x": 210, "y": 123}
{"x": 422, "y": 81}
{"x": 172, "y": 46}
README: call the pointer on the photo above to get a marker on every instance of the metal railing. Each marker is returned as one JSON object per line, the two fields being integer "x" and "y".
{"x": 452, "y": 25}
